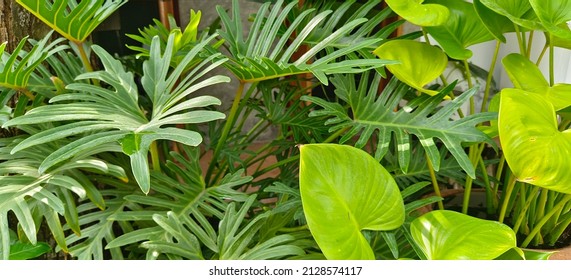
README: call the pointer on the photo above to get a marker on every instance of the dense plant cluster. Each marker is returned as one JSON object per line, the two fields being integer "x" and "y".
{"x": 118, "y": 160}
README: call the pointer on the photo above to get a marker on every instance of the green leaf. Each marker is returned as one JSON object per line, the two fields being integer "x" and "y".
{"x": 463, "y": 29}
{"x": 420, "y": 14}
{"x": 74, "y": 20}
{"x": 140, "y": 166}
{"x": 554, "y": 15}
{"x": 18, "y": 67}
{"x": 449, "y": 235}
{"x": 518, "y": 11}
{"x": 365, "y": 120}
{"x": 419, "y": 65}
{"x": 344, "y": 191}
{"x": 514, "y": 254}
{"x": 528, "y": 132}
{"x": 525, "y": 75}
{"x": 263, "y": 55}
{"x": 497, "y": 24}
{"x": 26, "y": 251}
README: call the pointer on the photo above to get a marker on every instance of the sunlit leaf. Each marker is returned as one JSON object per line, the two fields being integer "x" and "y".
{"x": 74, "y": 20}
{"x": 462, "y": 29}
{"x": 449, "y": 235}
{"x": 528, "y": 132}
{"x": 525, "y": 75}
{"x": 418, "y": 13}
{"x": 419, "y": 63}
{"x": 554, "y": 15}
{"x": 344, "y": 191}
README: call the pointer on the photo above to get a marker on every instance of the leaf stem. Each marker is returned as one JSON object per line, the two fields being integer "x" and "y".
{"x": 544, "y": 220}
{"x": 434, "y": 181}
{"x": 470, "y": 85}
{"x": 551, "y": 62}
{"x": 155, "y": 158}
{"x": 508, "y": 193}
{"x": 490, "y": 77}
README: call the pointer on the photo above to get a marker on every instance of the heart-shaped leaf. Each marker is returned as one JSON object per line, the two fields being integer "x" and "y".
{"x": 344, "y": 191}
{"x": 462, "y": 29}
{"x": 518, "y": 11}
{"x": 536, "y": 151}
{"x": 420, "y": 14}
{"x": 554, "y": 15}
{"x": 420, "y": 63}
{"x": 525, "y": 75}
{"x": 449, "y": 235}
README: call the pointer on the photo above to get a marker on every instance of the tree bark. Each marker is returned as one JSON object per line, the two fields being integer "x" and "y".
{"x": 17, "y": 23}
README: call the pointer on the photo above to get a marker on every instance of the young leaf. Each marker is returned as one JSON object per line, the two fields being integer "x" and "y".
{"x": 344, "y": 191}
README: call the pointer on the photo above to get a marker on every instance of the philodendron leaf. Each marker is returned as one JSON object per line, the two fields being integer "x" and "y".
{"x": 462, "y": 29}
{"x": 554, "y": 15}
{"x": 26, "y": 251}
{"x": 420, "y": 63}
{"x": 536, "y": 151}
{"x": 495, "y": 23}
{"x": 525, "y": 75}
{"x": 449, "y": 235}
{"x": 518, "y": 11}
{"x": 516, "y": 254}
{"x": 420, "y": 14}
{"x": 344, "y": 191}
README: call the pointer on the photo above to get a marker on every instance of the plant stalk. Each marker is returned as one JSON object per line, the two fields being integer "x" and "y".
{"x": 155, "y": 158}
{"x": 226, "y": 130}
{"x": 490, "y": 77}
{"x": 544, "y": 220}
{"x": 434, "y": 181}
{"x": 507, "y": 195}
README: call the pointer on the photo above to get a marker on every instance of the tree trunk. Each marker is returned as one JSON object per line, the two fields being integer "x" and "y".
{"x": 17, "y": 23}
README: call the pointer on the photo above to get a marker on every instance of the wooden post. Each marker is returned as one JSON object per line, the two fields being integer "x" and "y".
{"x": 17, "y": 23}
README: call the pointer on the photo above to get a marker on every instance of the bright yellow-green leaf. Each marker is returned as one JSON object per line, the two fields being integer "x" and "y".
{"x": 518, "y": 11}
{"x": 449, "y": 235}
{"x": 536, "y": 151}
{"x": 419, "y": 65}
{"x": 420, "y": 14}
{"x": 525, "y": 75}
{"x": 554, "y": 15}
{"x": 462, "y": 29}
{"x": 344, "y": 191}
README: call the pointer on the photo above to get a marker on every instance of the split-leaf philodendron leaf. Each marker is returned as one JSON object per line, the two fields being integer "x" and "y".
{"x": 536, "y": 151}
{"x": 419, "y": 65}
{"x": 449, "y": 235}
{"x": 344, "y": 191}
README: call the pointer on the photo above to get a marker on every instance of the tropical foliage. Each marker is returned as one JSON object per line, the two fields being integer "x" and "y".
{"x": 100, "y": 159}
